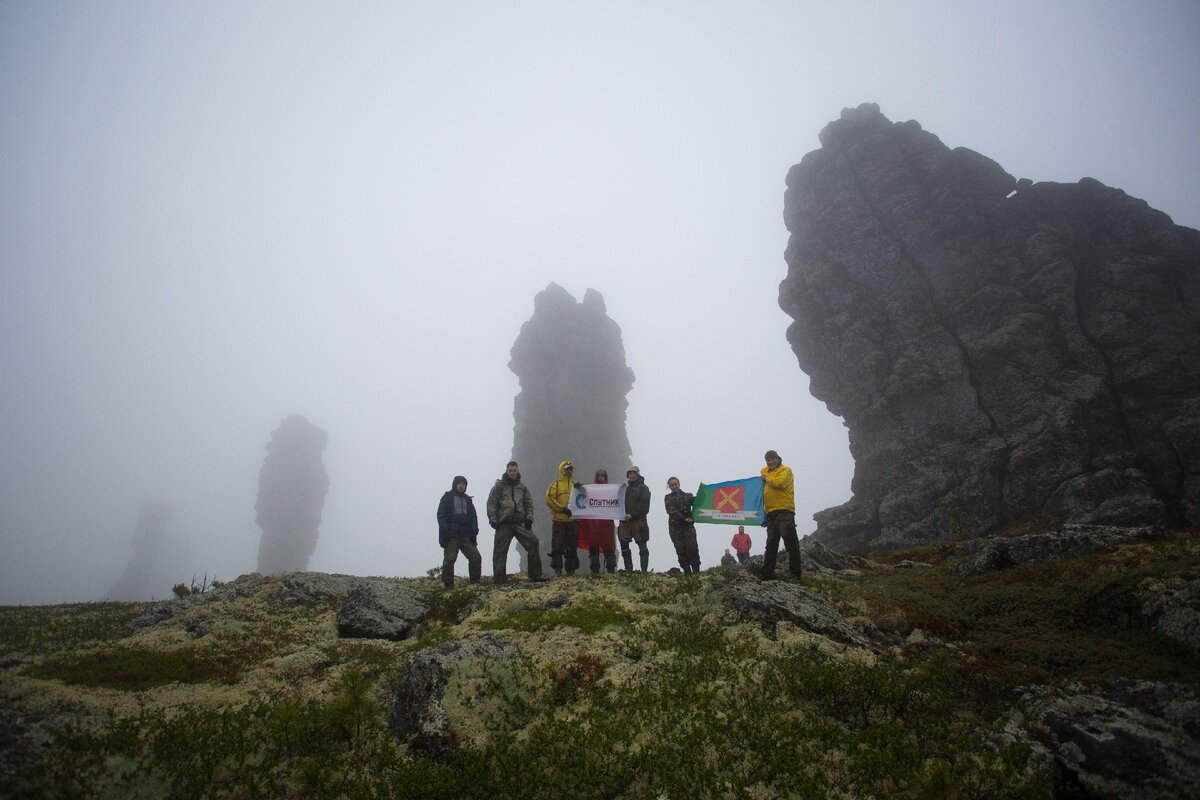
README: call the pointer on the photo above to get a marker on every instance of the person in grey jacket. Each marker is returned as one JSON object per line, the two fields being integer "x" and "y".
{"x": 458, "y": 530}
{"x": 634, "y": 527}
{"x": 510, "y": 513}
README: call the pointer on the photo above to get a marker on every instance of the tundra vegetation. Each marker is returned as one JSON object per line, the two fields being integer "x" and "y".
{"x": 638, "y": 686}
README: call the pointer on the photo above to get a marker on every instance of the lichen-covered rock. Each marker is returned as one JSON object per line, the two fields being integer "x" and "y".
{"x": 1139, "y": 741}
{"x": 1174, "y": 611}
{"x": 570, "y": 360}
{"x": 996, "y": 351}
{"x": 307, "y": 588}
{"x": 1073, "y": 541}
{"x": 381, "y": 610}
{"x": 774, "y": 602}
{"x": 419, "y": 705}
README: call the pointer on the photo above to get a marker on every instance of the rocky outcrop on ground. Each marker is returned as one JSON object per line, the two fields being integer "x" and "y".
{"x": 999, "y": 350}
{"x": 1139, "y": 741}
{"x": 775, "y": 601}
{"x": 1172, "y": 609}
{"x": 570, "y": 360}
{"x": 422, "y": 716}
{"x": 292, "y": 485}
{"x": 379, "y": 610}
{"x": 1072, "y": 541}
{"x": 294, "y": 589}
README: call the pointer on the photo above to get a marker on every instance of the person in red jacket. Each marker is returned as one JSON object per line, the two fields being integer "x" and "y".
{"x": 599, "y": 536}
{"x": 741, "y": 544}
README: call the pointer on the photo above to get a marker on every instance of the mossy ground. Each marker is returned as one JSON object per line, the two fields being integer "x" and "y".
{"x": 631, "y": 686}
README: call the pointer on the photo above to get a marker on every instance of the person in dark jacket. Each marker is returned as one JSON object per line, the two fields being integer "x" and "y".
{"x": 634, "y": 527}
{"x": 510, "y": 513}
{"x": 458, "y": 530}
{"x": 681, "y": 527}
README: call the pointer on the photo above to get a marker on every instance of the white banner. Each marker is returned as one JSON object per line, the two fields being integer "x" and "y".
{"x": 598, "y": 501}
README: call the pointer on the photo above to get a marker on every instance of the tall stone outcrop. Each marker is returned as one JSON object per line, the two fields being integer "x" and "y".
{"x": 1001, "y": 351}
{"x": 148, "y": 538}
{"x": 292, "y": 485}
{"x": 570, "y": 360}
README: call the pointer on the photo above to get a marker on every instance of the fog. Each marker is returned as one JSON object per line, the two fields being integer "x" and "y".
{"x": 216, "y": 214}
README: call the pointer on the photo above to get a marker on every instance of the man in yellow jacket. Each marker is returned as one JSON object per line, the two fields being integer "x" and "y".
{"x": 780, "y": 503}
{"x": 564, "y": 531}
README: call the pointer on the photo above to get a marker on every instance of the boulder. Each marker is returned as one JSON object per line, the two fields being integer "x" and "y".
{"x": 774, "y": 601}
{"x": 1173, "y": 611}
{"x": 312, "y": 588}
{"x": 419, "y": 711}
{"x": 381, "y": 610}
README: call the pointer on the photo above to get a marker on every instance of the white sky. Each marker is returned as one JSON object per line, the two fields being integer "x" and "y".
{"x": 214, "y": 214}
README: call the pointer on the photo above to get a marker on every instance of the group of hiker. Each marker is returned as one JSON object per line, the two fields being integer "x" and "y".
{"x": 510, "y": 514}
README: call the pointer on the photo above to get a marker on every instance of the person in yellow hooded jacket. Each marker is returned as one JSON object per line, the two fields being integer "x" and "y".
{"x": 564, "y": 531}
{"x": 780, "y": 503}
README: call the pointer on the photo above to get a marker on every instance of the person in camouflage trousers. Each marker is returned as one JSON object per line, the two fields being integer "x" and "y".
{"x": 634, "y": 527}
{"x": 510, "y": 513}
{"x": 681, "y": 527}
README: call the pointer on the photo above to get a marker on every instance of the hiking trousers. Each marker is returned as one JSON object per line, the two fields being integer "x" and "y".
{"x": 450, "y": 555}
{"x": 781, "y": 525}
{"x": 564, "y": 546}
{"x": 505, "y": 533}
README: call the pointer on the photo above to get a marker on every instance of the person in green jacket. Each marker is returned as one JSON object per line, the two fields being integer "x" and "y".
{"x": 510, "y": 513}
{"x": 634, "y": 527}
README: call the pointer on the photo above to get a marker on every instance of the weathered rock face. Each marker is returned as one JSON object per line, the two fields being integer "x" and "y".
{"x": 570, "y": 360}
{"x": 292, "y": 485}
{"x": 1136, "y": 740}
{"x": 995, "y": 355}
{"x": 149, "y": 536}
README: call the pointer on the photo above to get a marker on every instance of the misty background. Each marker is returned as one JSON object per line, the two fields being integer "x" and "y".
{"x": 216, "y": 214}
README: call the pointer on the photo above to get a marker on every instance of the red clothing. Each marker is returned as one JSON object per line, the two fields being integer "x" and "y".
{"x": 741, "y": 542}
{"x": 601, "y": 532}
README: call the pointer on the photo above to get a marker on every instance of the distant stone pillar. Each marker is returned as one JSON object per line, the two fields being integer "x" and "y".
{"x": 570, "y": 360}
{"x": 292, "y": 485}
{"x": 148, "y": 537}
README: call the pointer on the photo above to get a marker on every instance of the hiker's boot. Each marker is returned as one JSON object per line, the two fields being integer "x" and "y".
{"x": 645, "y": 561}
{"x": 627, "y": 557}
